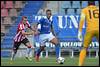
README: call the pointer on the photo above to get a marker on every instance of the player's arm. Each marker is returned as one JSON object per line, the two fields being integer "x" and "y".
{"x": 35, "y": 26}
{"x": 82, "y": 19}
{"x": 52, "y": 30}
{"x": 23, "y": 31}
{"x": 29, "y": 26}
{"x": 27, "y": 33}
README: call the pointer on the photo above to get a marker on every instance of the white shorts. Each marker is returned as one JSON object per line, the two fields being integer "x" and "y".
{"x": 45, "y": 38}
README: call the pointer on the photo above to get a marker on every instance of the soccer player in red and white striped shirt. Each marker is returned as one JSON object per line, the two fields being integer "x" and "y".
{"x": 21, "y": 37}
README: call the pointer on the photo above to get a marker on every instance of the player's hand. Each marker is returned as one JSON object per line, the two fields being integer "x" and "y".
{"x": 32, "y": 32}
{"x": 80, "y": 36}
{"x": 36, "y": 32}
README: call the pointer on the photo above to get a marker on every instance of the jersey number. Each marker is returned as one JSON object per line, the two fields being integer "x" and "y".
{"x": 95, "y": 14}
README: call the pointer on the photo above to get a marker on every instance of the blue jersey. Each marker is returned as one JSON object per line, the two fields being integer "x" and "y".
{"x": 45, "y": 25}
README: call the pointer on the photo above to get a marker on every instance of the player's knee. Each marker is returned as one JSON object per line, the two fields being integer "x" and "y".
{"x": 14, "y": 50}
{"x": 85, "y": 48}
{"x": 55, "y": 42}
{"x": 42, "y": 47}
{"x": 58, "y": 43}
{"x": 29, "y": 46}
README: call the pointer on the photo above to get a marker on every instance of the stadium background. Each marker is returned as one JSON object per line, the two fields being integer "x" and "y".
{"x": 66, "y": 16}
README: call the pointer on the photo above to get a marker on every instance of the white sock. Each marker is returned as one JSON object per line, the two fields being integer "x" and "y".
{"x": 28, "y": 52}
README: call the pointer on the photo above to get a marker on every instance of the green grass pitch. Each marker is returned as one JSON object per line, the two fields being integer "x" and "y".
{"x": 51, "y": 61}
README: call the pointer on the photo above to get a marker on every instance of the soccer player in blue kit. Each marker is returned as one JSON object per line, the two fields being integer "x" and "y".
{"x": 46, "y": 34}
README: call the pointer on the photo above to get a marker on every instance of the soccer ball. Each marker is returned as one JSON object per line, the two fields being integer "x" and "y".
{"x": 61, "y": 60}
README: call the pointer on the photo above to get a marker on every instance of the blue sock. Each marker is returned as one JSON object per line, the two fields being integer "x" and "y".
{"x": 38, "y": 52}
{"x": 35, "y": 50}
{"x": 57, "y": 49}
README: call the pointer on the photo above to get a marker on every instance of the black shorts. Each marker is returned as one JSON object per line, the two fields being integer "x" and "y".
{"x": 17, "y": 44}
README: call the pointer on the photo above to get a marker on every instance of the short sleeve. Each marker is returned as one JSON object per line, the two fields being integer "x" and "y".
{"x": 28, "y": 24}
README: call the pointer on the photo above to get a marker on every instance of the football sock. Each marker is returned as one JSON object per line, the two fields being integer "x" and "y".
{"x": 39, "y": 51}
{"x": 57, "y": 49}
{"x": 13, "y": 55}
{"x": 82, "y": 57}
{"x": 28, "y": 52}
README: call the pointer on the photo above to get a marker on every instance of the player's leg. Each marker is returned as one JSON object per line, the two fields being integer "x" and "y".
{"x": 35, "y": 49}
{"x": 14, "y": 50}
{"x": 55, "y": 41}
{"x": 38, "y": 52}
{"x": 29, "y": 49}
{"x": 32, "y": 42}
{"x": 29, "y": 46}
{"x": 57, "y": 46}
{"x": 42, "y": 40}
{"x": 87, "y": 40}
{"x": 40, "y": 49}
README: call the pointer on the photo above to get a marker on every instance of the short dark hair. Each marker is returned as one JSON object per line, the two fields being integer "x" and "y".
{"x": 48, "y": 10}
{"x": 24, "y": 17}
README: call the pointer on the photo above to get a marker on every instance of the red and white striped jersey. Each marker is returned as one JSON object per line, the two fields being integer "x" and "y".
{"x": 21, "y": 27}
